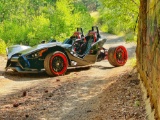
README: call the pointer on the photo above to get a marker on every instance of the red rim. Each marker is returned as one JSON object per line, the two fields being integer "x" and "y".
{"x": 58, "y": 64}
{"x": 121, "y": 55}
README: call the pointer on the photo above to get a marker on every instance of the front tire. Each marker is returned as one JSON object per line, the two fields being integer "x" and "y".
{"x": 56, "y": 64}
{"x": 117, "y": 56}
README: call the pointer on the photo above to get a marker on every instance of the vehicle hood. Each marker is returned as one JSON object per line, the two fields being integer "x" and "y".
{"x": 21, "y": 49}
{"x": 39, "y": 47}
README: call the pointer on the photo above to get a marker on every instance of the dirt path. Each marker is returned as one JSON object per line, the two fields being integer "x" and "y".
{"x": 101, "y": 92}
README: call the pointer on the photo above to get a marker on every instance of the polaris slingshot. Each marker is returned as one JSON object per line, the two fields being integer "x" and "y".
{"x": 56, "y": 57}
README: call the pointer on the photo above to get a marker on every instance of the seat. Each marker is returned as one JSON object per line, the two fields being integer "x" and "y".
{"x": 94, "y": 35}
{"x": 77, "y": 35}
{"x": 85, "y": 46}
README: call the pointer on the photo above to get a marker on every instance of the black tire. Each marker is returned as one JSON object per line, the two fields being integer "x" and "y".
{"x": 117, "y": 56}
{"x": 56, "y": 64}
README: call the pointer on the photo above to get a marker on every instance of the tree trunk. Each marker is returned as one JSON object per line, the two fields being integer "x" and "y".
{"x": 148, "y": 50}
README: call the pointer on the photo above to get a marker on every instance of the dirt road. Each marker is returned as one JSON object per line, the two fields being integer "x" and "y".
{"x": 100, "y": 92}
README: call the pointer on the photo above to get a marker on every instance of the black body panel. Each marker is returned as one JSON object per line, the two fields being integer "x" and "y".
{"x": 29, "y": 60}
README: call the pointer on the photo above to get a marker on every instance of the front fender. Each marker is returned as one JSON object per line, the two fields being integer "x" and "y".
{"x": 15, "y": 49}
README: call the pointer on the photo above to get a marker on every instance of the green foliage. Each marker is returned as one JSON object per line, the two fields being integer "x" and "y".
{"x": 91, "y": 5}
{"x": 104, "y": 28}
{"x": 2, "y": 47}
{"x": 40, "y": 30}
{"x": 95, "y": 16}
{"x": 132, "y": 62}
{"x": 119, "y": 16}
{"x": 29, "y": 22}
{"x": 11, "y": 32}
{"x": 130, "y": 37}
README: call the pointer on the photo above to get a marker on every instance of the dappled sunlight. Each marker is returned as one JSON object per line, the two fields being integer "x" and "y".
{"x": 84, "y": 91}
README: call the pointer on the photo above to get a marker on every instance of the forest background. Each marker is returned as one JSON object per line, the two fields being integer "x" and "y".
{"x": 28, "y": 22}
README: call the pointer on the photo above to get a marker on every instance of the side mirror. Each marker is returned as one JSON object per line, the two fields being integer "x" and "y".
{"x": 43, "y": 41}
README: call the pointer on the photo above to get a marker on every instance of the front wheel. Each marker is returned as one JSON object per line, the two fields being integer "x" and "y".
{"x": 117, "y": 56}
{"x": 56, "y": 63}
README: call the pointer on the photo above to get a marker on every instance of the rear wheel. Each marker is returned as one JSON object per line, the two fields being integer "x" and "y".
{"x": 56, "y": 64}
{"x": 117, "y": 56}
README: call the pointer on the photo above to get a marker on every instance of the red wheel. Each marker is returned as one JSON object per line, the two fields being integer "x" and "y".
{"x": 56, "y": 64}
{"x": 117, "y": 56}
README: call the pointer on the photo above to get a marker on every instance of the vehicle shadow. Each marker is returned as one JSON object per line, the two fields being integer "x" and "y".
{"x": 15, "y": 76}
{"x": 77, "y": 69}
{"x": 1, "y": 72}
{"x": 12, "y": 75}
{"x": 102, "y": 67}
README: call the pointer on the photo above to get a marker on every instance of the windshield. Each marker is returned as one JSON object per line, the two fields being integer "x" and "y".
{"x": 68, "y": 41}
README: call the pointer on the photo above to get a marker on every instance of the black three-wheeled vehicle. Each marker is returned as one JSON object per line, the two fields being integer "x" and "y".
{"x": 56, "y": 57}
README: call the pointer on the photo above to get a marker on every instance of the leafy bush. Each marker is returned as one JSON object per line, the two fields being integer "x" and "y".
{"x": 42, "y": 20}
{"x": 130, "y": 37}
{"x": 104, "y": 28}
{"x": 133, "y": 62}
{"x": 120, "y": 16}
{"x": 2, "y": 47}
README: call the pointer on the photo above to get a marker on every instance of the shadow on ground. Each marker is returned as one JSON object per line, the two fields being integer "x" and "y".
{"x": 15, "y": 76}
{"x": 120, "y": 99}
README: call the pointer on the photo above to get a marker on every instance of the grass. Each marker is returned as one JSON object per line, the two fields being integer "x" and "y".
{"x": 2, "y": 47}
{"x": 132, "y": 62}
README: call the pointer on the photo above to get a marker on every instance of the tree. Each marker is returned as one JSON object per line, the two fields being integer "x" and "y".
{"x": 30, "y": 21}
{"x": 119, "y": 15}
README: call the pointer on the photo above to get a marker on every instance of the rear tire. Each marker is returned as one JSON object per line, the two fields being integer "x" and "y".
{"x": 56, "y": 64}
{"x": 117, "y": 56}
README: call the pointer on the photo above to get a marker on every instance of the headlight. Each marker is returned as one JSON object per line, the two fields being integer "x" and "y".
{"x": 33, "y": 55}
{"x": 37, "y": 54}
